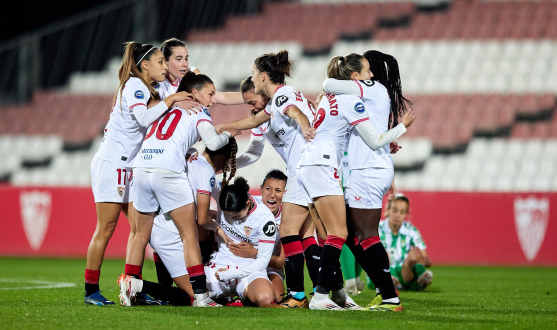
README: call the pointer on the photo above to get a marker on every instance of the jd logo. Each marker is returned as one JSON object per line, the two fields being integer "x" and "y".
{"x": 35, "y": 209}
{"x": 530, "y": 217}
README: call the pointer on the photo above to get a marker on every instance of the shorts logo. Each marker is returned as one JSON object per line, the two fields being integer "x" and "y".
{"x": 531, "y": 216}
{"x": 206, "y": 111}
{"x": 121, "y": 191}
{"x": 139, "y": 95}
{"x": 247, "y": 230}
{"x": 358, "y": 198}
{"x": 212, "y": 182}
{"x": 281, "y": 100}
{"x": 368, "y": 83}
{"x": 359, "y": 107}
{"x": 270, "y": 229}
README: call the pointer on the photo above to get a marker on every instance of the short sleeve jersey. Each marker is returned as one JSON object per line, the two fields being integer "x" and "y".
{"x": 334, "y": 120}
{"x": 169, "y": 138}
{"x": 123, "y": 134}
{"x": 399, "y": 245}
{"x": 378, "y": 107}
{"x": 277, "y": 248}
{"x": 284, "y": 134}
{"x": 258, "y": 226}
{"x": 167, "y": 88}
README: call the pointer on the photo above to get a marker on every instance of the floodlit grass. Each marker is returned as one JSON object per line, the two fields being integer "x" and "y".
{"x": 459, "y": 298}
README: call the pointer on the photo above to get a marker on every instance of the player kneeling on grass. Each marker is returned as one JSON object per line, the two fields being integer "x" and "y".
{"x": 243, "y": 220}
{"x": 406, "y": 248}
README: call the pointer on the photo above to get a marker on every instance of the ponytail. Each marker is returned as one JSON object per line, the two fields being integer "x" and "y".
{"x": 134, "y": 54}
{"x": 277, "y": 66}
{"x": 234, "y": 198}
{"x": 229, "y": 152}
{"x": 342, "y": 67}
{"x": 385, "y": 70}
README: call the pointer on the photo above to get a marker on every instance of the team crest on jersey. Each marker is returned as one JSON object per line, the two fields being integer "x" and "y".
{"x": 368, "y": 83}
{"x": 212, "y": 182}
{"x": 247, "y": 230}
{"x": 206, "y": 111}
{"x": 359, "y": 107}
{"x": 121, "y": 191}
{"x": 281, "y": 100}
{"x": 139, "y": 95}
{"x": 35, "y": 207}
{"x": 530, "y": 217}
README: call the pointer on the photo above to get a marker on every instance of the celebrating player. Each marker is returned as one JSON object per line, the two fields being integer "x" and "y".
{"x": 405, "y": 246}
{"x": 243, "y": 220}
{"x": 287, "y": 130}
{"x": 371, "y": 169}
{"x": 161, "y": 180}
{"x": 111, "y": 168}
{"x": 177, "y": 59}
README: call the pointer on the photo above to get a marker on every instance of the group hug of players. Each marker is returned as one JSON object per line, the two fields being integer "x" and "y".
{"x": 161, "y": 109}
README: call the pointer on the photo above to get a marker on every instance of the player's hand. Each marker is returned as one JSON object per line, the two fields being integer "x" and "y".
{"x": 220, "y": 270}
{"x": 243, "y": 250}
{"x": 394, "y": 147}
{"x": 223, "y": 236}
{"x": 309, "y": 133}
{"x": 234, "y": 132}
{"x": 408, "y": 118}
{"x": 392, "y": 191}
{"x": 313, "y": 104}
{"x": 190, "y": 106}
{"x": 191, "y": 157}
{"x": 221, "y": 128}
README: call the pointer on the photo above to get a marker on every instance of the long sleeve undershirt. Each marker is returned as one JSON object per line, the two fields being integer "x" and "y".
{"x": 209, "y": 135}
{"x": 376, "y": 140}
{"x": 252, "y": 153}
{"x": 146, "y": 116}
{"x": 264, "y": 253}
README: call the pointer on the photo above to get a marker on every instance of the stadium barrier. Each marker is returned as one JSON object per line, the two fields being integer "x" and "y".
{"x": 458, "y": 228}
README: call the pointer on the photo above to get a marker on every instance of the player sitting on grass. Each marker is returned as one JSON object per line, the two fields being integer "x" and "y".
{"x": 406, "y": 248}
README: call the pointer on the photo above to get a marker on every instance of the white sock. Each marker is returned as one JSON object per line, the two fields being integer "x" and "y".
{"x": 320, "y": 296}
{"x": 200, "y": 296}
{"x": 394, "y": 300}
{"x": 137, "y": 285}
{"x": 357, "y": 280}
{"x": 351, "y": 282}
{"x": 339, "y": 295}
{"x": 378, "y": 290}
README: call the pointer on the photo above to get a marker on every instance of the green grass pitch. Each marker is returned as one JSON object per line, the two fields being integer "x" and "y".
{"x": 459, "y": 298}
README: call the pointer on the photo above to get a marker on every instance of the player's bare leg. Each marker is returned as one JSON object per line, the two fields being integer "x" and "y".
{"x": 278, "y": 286}
{"x": 183, "y": 282}
{"x": 413, "y": 268}
{"x": 136, "y": 248}
{"x": 260, "y": 292}
{"x": 129, "y": 211}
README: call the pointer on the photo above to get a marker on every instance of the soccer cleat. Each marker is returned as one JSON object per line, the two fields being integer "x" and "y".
{"x": 126, "y": 292}
{"x": 376, "y": 301}
{"x": 352, "y": 290}
{"x": 348, "y": 303}
{"x": 143, "y": 299}
{"x": 203, "y": 300}
{"x": 290, "y": 301}
{"x": 235, "y": 303}
{"x": 97, "y": 299}
{"x": 386, "y": 307}
{"x": 425, "y": 280}
{"x": 325, "y": 304}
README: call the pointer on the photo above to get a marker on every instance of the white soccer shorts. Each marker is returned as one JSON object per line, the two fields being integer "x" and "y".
{"x": 367, "y": 187}
{"x": 294, "y": 193}
{"x": 169, "y": 191}
{"x": 279, "y": 272}
{"x": 111, "y": 183}
{"x": 319, "y": 181}
{"x": 170, "y": 249}
{"x": 232, "y": 288}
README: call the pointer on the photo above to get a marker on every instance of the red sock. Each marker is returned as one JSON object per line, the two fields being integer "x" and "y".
{"x": 321, "y": 242}
{"x": 156, "y": 257}
{"x": 307, "y": 242}
{"x": 369, "y": 242}
{"x": 92, "y": 276}
{"x": 197, "y": 279}
{"x": 133, "y": 270}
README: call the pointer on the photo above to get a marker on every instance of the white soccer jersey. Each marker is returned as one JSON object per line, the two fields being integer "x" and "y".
{"x": 169, "y": 138}
{"x": 258, "y": 227}
{"x": 277, "y": 248}
{"x": 399, "y": 245}
{"x": 378, "y": 107}
{"x": 123, "y": 134}
{"x": 334, "y": 119}
{"x": 167, "y": 88}
{"x": 263, "y": 129}
{"x": 284, "y": 133}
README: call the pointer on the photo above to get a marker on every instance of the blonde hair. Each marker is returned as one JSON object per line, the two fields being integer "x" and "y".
{"x": 342, "y": 67}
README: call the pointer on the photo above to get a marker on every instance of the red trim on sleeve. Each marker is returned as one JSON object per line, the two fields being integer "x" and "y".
{"x": 200, "y": 120}
{"x": 265, "y": 110}
{"x": 361, "y": 89}
{"x": 266, "y": 241}
{"x": 279, "y": 88}
{"x": 359, "y": 121}
{"x": 279, "y": 212}
{"x": 254, "y": 205}
{"x": 284, "y": 111}
{"x": 133, "y": 106}
{"x": 255, "y": 134}
{"x": 203, "y": 192}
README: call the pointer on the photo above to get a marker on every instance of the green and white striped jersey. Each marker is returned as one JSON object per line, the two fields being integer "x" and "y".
{"x": 399, "y": 245}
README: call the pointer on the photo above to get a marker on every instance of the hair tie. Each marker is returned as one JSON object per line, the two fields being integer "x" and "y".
{"x": 142, "y": 57}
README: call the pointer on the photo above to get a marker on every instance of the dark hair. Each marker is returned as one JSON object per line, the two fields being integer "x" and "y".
{"x": 234, "y": 197}
{"x": 247, "y": 85}
{"x": 276, "y": 65}
{"x": 167, "y": 45}
{"x": 275, "y": 174}
{"x": 385, "y": 70}
{"x": 398, "y": 197}
{"x": 342, "y": 67}
{"x": 229, "y": 152}
{"x": 134, "y": 54}
{"x": 193, "y": 81}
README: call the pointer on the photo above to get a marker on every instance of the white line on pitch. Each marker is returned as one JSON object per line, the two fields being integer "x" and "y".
{"x": 43, "y": 284}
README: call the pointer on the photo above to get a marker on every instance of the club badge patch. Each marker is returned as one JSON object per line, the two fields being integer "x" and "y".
{"x": 212, "y": 182}
{"x": 281, "y": 100}
{"x": 206, "y": 111}
{"x": 121, "y": 191}
{"x": 247, "y": 230}
{"x": 359, "y": 107}
{"x": 139, "y": 95}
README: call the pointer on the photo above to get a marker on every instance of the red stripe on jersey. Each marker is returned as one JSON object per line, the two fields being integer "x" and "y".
{"x": 265, "y": 110}
{"x": 254, "y": 205}
{"x": 254, "y": 134}
{"x": 278, "y": 214}
{"x": 266, "y": 241}
{"x": 359, "y": 121}
{"x": 200, "y": 120}
{"x": 135, "y": 105}
{"x": 203, "y": 192}
{"x": 284, "y": 111}
{"x": 278, "y": 88}
{"x": 361, "y": 89}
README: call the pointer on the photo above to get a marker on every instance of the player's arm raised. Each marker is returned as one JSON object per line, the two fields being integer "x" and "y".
{"x": 245, "y": 123}
{"x": 295, "y": 113}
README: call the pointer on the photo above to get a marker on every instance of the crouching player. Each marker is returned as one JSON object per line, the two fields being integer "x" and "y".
{"x": 406, "y": 248}
{"x": 243, "y": 220}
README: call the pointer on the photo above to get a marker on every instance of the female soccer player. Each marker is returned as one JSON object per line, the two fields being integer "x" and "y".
{"x": 371, "y": 169}
{"x": 161, "y": 180}
{"x": 288, "y": 128}
{"x": 243, "y": 220}
{"x": 111, "y": 168}
{"x": 318, "y": 167}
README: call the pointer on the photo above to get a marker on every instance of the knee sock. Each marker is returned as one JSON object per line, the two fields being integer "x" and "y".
{"x": 418, "y": 270}
{"x": 163, "y": 276}
{"x": 197, "y": 279}
{"x": 312, "y": 255}
{"x": 133, "y": 270}
{"x": 377, "y": 257}
{"x": 338, "y": 282}
{"x": 329, "y": 263}
{"x": 172, "y": 295}
{"x": 361, "y": 258}
{"x": 294, "y": 265}
{"x": 91, "y": 281}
